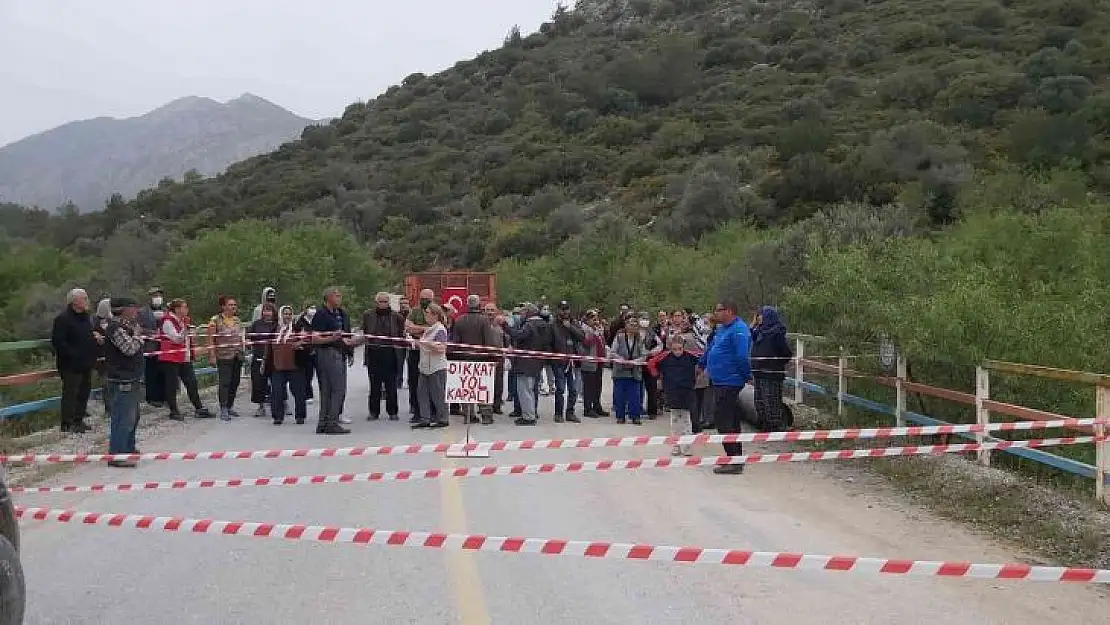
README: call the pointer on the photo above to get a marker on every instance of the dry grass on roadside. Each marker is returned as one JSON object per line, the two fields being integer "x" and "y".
{"x": 1060, "y": 525}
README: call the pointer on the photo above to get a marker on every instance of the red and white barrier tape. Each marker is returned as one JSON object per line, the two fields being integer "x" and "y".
{"x": 568, "y": 443}
{"x": 553, "y": 467}
{"x": 575, "y": 548}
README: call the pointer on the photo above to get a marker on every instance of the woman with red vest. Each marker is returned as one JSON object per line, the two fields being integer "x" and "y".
{"x": 177, "y": 349}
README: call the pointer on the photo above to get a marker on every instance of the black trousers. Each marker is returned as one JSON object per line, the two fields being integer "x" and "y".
{"x": 727, "y": 414}
{"x": 382, "y": 378}
{"x": 499, "y": 385}
{"x": 414, "y": 381}
{"x": 178, "y": 373}
{"x": 309, "y": 371}
{"x": 651, "y": 385}
{"x": 76, "y": 386}
{"x": 154, "y": 376}
{"x": 228, "y": 371}
{"x": 260, "y": 383}
{"x": 591, "y": 390}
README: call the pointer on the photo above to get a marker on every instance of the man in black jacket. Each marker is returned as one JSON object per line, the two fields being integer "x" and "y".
{"x": 534, "y": 335}
{"x": 382, "y": 357}
{"x": 568, "y": 338}
{"x": 76, "y": 347}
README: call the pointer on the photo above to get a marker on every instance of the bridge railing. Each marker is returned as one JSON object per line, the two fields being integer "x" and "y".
{"x": 979, "y": 402}
{"x": 20, "y": 409}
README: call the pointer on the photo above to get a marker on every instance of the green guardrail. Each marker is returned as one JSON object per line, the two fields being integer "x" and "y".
{"x": 13, "y": 346}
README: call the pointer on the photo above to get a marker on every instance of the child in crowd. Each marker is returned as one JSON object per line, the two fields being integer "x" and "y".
{"x": 678, "y": 369}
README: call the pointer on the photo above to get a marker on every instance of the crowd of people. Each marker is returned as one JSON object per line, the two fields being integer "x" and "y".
{"x": 691, "y": 368}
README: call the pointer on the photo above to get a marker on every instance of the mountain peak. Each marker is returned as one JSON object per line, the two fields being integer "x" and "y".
{"x": 129, "y": 154}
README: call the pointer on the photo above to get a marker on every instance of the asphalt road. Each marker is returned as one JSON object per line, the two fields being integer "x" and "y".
{"x": 78, "y": 574}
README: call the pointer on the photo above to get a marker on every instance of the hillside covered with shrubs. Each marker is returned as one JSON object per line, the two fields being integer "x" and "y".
{"x": 936, "y": 171}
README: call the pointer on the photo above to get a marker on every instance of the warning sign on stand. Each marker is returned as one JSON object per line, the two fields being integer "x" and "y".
{"x": 470, "y": 382}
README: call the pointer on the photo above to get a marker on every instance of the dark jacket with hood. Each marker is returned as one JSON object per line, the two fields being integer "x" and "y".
{"x": 534, "y": 335}
{"x": 770, "y": 349}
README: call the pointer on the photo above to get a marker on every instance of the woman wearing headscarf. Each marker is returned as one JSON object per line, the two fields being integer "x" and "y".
{"x": 770, "y": 353}
{"x": 284, "y": 371}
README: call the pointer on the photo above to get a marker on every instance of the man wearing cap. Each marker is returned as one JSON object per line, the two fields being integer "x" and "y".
{"x": 123, "y": 367}
{"x": 150, "y": 320}
{"x": 568, "y": 340}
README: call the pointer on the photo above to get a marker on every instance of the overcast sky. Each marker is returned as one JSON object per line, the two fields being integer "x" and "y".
{"x": 63, "y": 60}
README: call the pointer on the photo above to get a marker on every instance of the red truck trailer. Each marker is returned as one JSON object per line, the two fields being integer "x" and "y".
{"x": 452, "y": 287}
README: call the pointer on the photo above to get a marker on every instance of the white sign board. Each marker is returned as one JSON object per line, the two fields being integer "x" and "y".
{"x": 470, "y": 382}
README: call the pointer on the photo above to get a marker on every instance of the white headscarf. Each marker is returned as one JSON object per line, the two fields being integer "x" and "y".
{"x": 285, "y": 330}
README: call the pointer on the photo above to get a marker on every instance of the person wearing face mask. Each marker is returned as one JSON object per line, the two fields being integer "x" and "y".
{"x": 150, "y": 320}
{"x": 381, "y": 356}
{"x": 269, "y": 296}
{"x": 415, "y": 326}
{"x": 653, "y": 344}
{"x": 306, "y": 356}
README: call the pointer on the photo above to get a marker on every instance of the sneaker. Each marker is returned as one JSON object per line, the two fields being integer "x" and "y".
{"x": 439, "y": 424}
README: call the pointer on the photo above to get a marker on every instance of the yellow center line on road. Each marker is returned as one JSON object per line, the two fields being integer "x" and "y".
{"x": 462, "y": 568}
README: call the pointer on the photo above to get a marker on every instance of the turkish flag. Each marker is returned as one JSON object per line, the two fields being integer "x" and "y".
{"x": 455, "y": 297}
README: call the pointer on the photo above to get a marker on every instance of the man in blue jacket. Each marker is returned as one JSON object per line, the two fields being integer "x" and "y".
{"x": 726, "y": 360}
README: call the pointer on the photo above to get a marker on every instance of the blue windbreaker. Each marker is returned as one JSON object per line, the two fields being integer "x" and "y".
{"x": 726, "y": 358}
